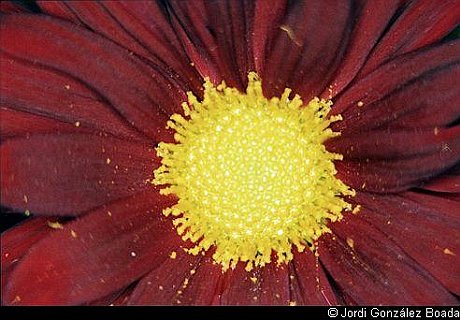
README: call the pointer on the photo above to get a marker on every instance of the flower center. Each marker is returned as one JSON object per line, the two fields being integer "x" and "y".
{"x": 252, "y": 175}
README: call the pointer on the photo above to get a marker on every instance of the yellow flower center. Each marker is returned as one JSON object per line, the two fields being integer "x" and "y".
{"x": 251, "y": 174}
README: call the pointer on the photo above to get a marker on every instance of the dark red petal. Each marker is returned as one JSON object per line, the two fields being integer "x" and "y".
{"x": 118, "y": 298}
{"x": 394, "y": 160}
{"x": 308, "y": 282}
{"x": 140, "y": 26}
{"x": 414, "y": 97}
{"x": 12, "y": 7}
{"x": 33, "y": 92}
{"x": 448, "y": 182}
{"x": 426, "y": 227}
{"x": 395, "y": 144}
{"x": 306, "y": 47}
{"x": 268, "y": 16}
{"x": 123, "y": 297}
{"x": 385, "y": 176}
{"x": 372, "y": 269}
{"x": 16, "y": 242}
{"x": 18, "y": 123}
{"x": 215, "y": 35}
{"x": 96, "y": 255}
{"x": 452, "y": 196}
{"x": 371, "y": 19}
{"x": 136, "y": 91}
{"x": 422, "y": 23}
{"x": 182, "y": 280}
{"x": 429, "y": 101}
{"x": 69, "y": 174}
{"x": 437, "y": 204}
{"x": 419, "y": 82}
{"x": 261, "y": 286}
{"x": 58, "y": 9}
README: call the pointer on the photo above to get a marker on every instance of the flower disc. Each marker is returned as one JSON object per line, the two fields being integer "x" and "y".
{"x": 252, "y": 175}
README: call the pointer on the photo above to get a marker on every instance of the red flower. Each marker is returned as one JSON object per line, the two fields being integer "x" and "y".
{"x": 87, "y": 88}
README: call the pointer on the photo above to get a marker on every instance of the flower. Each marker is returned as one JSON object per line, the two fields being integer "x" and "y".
{"x": 87, "y": 89}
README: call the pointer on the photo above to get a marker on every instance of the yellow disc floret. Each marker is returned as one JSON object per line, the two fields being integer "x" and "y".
{"x": 251, "y": 174}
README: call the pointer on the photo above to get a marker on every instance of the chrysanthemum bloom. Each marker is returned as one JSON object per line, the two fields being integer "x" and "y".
{"x": 231, "y": 152}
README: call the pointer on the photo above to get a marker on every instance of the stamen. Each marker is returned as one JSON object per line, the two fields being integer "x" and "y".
{"x": 252, "y": 175}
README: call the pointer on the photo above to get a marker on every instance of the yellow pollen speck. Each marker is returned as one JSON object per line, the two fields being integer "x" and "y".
{"x": 55, "y": 225}
{"x": 185, "y": 284}
{"x": 160, "y": 287}
{"x": 192, "y": 272}
{"x": 27, "y": 213}
{"x": 77, "y": 124}
{"x": 173, "y": 255}
{"x": 109, "y": 213}
{"x": 254, "y": 279}
{"x": 251, "y": 174}
{"x": 356, "y": 209}
{"x": 67, "y": 86}
{"x": 449, "y": 252}
{"x": 16, "y": 299}
{"x": 73, "y": 233}
{"x": 108, "y": 160}
{"x": 292, "y": 303}
{"x": 351, "y": 243}
{"x": 360, "y": 104}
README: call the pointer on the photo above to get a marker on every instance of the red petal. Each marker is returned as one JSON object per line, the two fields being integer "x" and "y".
{"x": 108, "y": 249}
{"x": 12, "y": 7}
{"x": 384, "y": 160}
{"x": 394, "y": 144}
{"x": 385, "y": 176}
{"x": 17, "y": 241}
{"x": 426, "y": 227}
{"x": 68, "y": 102}
{"x": 306, "y": 48}
{"x": 372, "y": 17}
{"x": 267, "y": 19}
{"x": 109, "y": 69}
{"x": 262, "y": 286}
{"x": 448, "y": 182}
{"x": 452, "y": 196}
{"x": 140, "y": 26}
{"x": 379, "y": 103}
{"x": 413, "y": 83}
{"x": 18, "y": 123}
{"x": 58, "y": 9}
{"x": 184, "y": 280}
{"x": 428, "y": 95}
{"x": 215, "y": 35}
{"x": 372, "y": 269}
{"x": 422, "y": 23}
{"x": 309, "y": 284}
{"x": 72, "y": 173}
{"x": 118, "y": 298}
